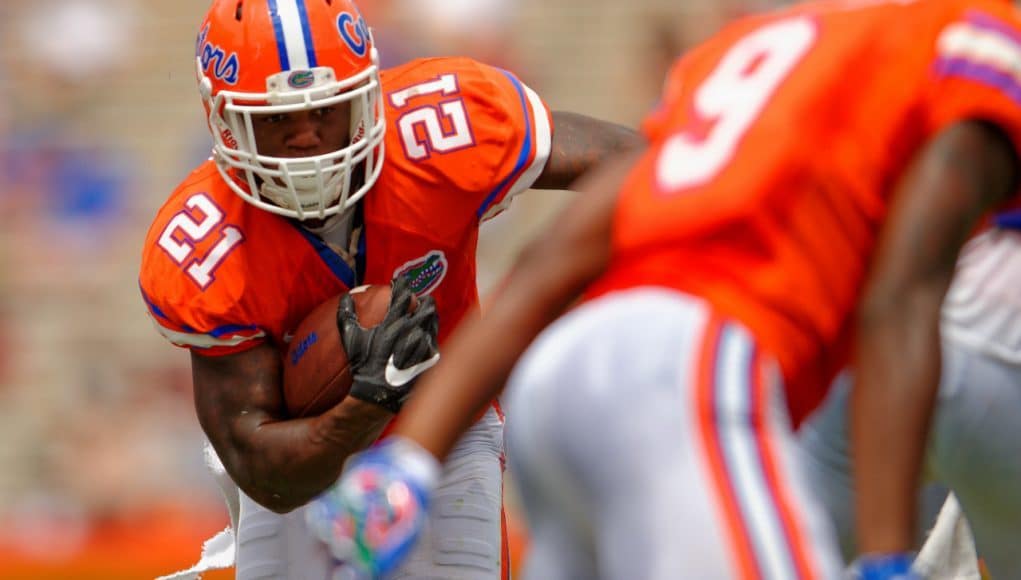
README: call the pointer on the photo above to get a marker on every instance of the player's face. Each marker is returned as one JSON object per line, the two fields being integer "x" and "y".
{"x": 303, "y": 133}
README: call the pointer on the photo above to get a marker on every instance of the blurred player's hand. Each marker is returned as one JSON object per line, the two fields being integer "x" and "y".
{"x": 883, "y": 567}
{"x": 373, "y": 515}
{"x": 387, "y": 358}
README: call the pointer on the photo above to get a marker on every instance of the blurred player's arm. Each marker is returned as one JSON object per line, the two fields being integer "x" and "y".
{"x": 581, "y": 143}
{"x": 549, "y": 275}
{"x": 280, "y": 463}
{"x": 967, "y": 169}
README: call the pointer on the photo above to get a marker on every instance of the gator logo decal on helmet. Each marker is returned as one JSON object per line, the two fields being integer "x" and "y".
{"x": 301, "y": 79}
{"x": 424, "y": 273}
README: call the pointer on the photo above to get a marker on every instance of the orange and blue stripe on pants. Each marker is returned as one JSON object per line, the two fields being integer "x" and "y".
{"x": 736, "y": 394}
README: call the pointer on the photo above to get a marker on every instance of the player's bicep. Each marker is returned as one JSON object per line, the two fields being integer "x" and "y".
{"x": 966, "y": 170}
{"x": 236, "y": 394}
{"x": 580, "y": 143}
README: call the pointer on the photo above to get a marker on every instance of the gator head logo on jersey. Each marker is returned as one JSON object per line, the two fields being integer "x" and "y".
{"x": 424, "y": 273}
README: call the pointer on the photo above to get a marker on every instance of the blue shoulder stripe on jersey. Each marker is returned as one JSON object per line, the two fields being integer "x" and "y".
{"x": 230, "y": 329}
{"x": 983, "y": 74}
{"x": 990, "y": 22}
{"x": 1008, "y": 220}
{"x": 334, "y": 262}
{"x": 526, "y": 150}
{"x": 278, "y": 29}
{"x": 215, "y": 333}
{"x": 307, "y": 32}
{"x": 152, "y": 305}
{"x": 982, "y": 49}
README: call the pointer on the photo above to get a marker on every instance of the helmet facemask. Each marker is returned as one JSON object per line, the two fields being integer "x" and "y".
{"x": 314, "y": 187}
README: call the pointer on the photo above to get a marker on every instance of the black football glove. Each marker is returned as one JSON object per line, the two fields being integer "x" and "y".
{"x": 387, "y": 358}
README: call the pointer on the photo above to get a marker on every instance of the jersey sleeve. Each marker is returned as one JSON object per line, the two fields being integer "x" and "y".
{"x": 975, "y": 71}
{"x": 493, "y": 136}
{"x": 192, "y": 305}
{"x": 201, "y": 334}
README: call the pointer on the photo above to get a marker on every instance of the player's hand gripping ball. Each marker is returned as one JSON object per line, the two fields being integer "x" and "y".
{"x": 387, "y": 358}
{"x": 346, "y": 343}
{"x": 373, "y": 515}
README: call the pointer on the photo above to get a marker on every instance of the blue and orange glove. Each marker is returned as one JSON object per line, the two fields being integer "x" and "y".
{"x": 373, "y": 515}
{"x": 884, "y": 567}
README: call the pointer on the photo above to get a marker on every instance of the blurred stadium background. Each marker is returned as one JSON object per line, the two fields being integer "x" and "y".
{"x": 101, "y": 473}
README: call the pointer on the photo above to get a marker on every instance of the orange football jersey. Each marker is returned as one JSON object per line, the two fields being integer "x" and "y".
{"x": 219, "y": 275}
{"x": 776, "y": 149}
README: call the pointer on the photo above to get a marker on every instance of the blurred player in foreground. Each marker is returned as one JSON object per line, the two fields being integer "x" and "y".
{"x": 326, "y": 174}
{"x": 974, "y": 446}
{"x": 812, "y": 176}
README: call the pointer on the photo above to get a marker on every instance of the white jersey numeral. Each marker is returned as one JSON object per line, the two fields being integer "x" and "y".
{"x": 730, "y": 99}
{"x": 422, "y": 130}
{"x": 192, "y": 226}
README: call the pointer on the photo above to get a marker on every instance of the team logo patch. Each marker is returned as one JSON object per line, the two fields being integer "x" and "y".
{"x": 301, "y": 79}
{"x": 424, "y": 273}
{"x": 215, "y": 61}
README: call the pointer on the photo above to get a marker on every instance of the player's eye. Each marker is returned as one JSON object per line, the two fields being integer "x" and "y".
{"x": 323, "y": 111}
{"x": 272, "y": 119}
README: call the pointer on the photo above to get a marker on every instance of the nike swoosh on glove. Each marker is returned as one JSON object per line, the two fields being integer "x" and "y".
{"x": 387, "y": 358}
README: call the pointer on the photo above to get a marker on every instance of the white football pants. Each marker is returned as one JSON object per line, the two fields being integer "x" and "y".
{"x": 650, "y": 441}
{"x": 462, "y": 539}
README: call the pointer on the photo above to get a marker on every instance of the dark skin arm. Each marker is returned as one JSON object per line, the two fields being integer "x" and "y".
{"x": 549, "y": 275}
{"x": 965, "y": 171}
{"x": 278, "y": 462}
{"x": 581, "y": 143}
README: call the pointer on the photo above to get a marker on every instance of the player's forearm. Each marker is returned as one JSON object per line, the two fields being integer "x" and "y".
{"x": 897, "y": 378}
{"x": 581, "y": 143}
{"x": 284, "y": 464}
{"x": 965, "y": 170}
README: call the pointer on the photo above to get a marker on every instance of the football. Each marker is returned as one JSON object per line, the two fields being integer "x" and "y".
{"x": 316, "y": 373}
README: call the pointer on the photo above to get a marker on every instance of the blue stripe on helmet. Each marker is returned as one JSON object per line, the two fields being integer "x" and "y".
{"x": 278, "y": 29}
{"x": 307, "y": 31}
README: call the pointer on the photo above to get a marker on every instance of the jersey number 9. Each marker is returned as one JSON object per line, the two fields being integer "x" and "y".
{"x": 729, "y": 101}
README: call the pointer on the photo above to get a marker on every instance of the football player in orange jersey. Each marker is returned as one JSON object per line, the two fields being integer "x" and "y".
{"x": 974, "y": 443}
{"x": 812, "y": 174}
{"x": 328, "y": 173}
